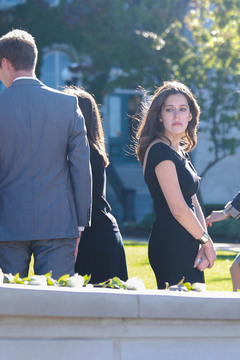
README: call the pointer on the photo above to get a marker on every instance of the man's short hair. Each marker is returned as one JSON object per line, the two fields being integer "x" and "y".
{"x": 19, "y": 47}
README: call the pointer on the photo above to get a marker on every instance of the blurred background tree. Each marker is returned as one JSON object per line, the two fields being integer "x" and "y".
{"x": 124, "y": 44}
{"x": 141, "y": 39}
{"x": 215, "y": 75}
{"x": 126, "y": 36}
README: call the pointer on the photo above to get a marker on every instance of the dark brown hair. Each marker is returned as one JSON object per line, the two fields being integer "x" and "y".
{"x": 151, "y": 128}
{"x": 93, "y": 120}
{"x": 19, "y": 47}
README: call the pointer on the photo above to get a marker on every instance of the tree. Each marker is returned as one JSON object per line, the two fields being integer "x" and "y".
{"x": 143, "y": 40}
{"x": 123, "y": 34}
{"x": 41, "y": 20}
{"x": 140, "y": 38}
{"x": 215, "y": 73}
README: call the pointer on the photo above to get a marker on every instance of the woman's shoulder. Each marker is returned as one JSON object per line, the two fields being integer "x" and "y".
{"x": 157, "y": 152}
{"x": 160, "y": 150}
{"x": 157, "y": 147}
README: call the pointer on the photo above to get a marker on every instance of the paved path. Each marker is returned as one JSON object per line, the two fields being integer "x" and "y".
{"x": 218, "y": 246}
{"x": 227, "y": 247}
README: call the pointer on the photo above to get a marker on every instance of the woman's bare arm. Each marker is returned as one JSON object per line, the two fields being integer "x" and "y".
{"x": 168, "y": 180}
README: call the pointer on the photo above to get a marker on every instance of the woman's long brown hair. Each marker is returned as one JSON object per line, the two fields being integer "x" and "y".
{"x": 93, "y": 120}
{"x": 151, "y": 128}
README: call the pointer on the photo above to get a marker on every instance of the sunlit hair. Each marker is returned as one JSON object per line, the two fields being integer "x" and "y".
{"x": 151, "y": 128}
{"x": 93, "y": 120}
{"x": 19, "y": 47}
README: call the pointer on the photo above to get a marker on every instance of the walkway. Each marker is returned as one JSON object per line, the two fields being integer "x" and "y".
{"x": 227, "y": 247}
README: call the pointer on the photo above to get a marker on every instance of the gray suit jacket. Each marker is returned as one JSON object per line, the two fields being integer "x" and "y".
{"x": 45, "y": 174}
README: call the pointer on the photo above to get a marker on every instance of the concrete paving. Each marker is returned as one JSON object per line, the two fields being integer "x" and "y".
{"x": 227, "y": 247}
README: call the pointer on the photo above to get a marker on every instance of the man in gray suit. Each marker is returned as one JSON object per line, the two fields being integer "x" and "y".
{"x": 45, "y": 176}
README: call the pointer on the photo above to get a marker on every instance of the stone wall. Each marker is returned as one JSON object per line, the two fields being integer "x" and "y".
{"x": 105, "y": 324}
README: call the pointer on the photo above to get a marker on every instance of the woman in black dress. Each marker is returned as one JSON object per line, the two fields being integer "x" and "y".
{"x": 166, "y": 135}
{"x": 101, "y": 251}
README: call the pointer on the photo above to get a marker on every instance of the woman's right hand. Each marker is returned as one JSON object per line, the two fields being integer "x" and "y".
{"x": 210, "y": 252}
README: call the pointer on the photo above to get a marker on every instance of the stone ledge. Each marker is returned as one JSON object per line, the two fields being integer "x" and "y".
{"x": 106, "y": 324}
{"x": 21, "y": 300}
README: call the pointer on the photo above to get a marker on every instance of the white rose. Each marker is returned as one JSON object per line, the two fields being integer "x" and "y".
{"x": 179, "y": 287}
{"x": 90, "y": 286}
{"x": 75, "y": 281}
{"x": 135, "y": 284}
{"x": 8, "y": 278}
{"x": 199, "y": 286}
{"x": 38, "y": 280}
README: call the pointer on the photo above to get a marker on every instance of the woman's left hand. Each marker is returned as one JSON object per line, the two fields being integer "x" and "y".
{"x": 201, "y": 262}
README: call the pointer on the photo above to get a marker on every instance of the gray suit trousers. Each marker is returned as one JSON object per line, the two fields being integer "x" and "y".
{"x": 56, "y": 255}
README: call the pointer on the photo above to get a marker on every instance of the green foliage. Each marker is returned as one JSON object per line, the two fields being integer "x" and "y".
{"x": 63, "y": 280}
{"x": 214, "y": 27}
{"x": 142, "y": 38}
{"x": 129, "y": 36}
{"x": 149, "y": 41}
{"x": 114, "y": 283}
{"x": 76, "y": 281}
{"x": 41, "y": 20}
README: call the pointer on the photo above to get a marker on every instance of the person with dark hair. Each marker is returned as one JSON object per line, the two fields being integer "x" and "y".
{"x": 45, "y": 177}
{"x": 166, "y": 134}
{"x": 101, "y": 251}
{"x": 231, "y": 209}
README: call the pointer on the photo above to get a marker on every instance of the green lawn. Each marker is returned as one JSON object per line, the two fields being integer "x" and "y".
{"x": 217, "y": 279}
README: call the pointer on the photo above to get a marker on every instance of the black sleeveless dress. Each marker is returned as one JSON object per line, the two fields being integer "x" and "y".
{"x": 172, "y": 249}
{"x": 101, "y": 250}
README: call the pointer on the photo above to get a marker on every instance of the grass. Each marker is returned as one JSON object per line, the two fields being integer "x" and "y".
{"x": 217, "y": 279}
{"x": 138, "y": 264}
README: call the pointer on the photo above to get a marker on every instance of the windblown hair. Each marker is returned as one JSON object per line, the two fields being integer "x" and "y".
{"x": 19, "y": 47}
{"x": 151, "y": 128}
{"x": 93, "y": 120}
